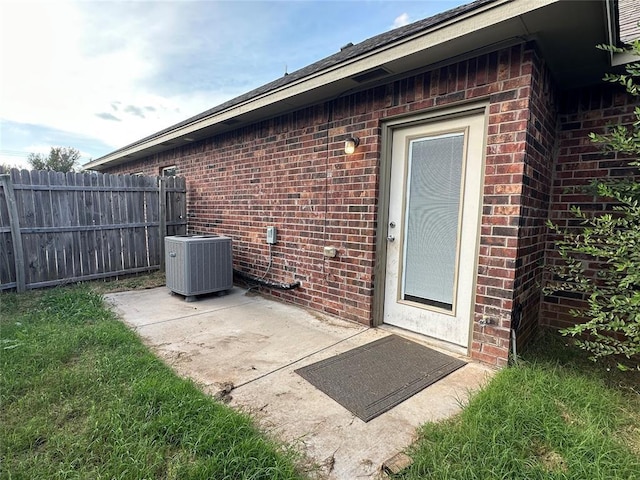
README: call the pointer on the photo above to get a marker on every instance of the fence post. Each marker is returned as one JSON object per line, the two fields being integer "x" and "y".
{"x": 14, "y": 223}
{"x": 163, "y": 218}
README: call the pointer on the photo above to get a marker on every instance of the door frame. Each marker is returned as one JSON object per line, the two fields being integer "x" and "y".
{"x": 388, "y": 126}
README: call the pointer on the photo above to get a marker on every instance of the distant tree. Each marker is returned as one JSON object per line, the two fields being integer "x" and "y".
{"x": 60, "y": 159}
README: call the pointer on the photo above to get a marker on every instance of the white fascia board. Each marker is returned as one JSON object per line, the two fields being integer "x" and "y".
{"x": 475, "y": 20}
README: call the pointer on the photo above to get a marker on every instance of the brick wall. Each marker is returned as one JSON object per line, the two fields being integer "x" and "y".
{"x": 291, "y": 172}
{"x": 509, "y": 163}
{"x": 536, "y": 189}
{"x": 578, "y": 163}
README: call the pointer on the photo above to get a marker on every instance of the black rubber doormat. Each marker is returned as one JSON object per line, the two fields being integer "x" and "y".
{"x": 373, "y": 378}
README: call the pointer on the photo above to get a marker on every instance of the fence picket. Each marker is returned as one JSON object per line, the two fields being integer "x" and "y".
{"x": 28, "y": 219}
{"x": 11, "y": 245}
{"x": 98, "y": 221}
{"x": 140, "y": 247}
{"x": 47, "y": 214}
{"x": 111, "y": 245}
{"x": 76, "y": 250}
{"x": 153, "y": 219}
{"x": 63, "y": 239}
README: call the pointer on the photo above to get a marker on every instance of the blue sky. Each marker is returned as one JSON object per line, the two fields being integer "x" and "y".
{"x": 97, "y": 76}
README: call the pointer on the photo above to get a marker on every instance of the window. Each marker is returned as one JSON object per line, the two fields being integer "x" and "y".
{"x": 169, "y": 171}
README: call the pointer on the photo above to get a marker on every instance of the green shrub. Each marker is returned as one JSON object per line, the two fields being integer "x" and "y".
{"x": 611, "y": 240}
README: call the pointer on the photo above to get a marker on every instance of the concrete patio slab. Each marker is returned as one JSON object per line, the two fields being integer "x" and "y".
{"x": 251, "y": 346}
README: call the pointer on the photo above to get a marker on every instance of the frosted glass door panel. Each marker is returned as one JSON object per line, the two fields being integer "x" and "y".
{"x": 432, "y": 219}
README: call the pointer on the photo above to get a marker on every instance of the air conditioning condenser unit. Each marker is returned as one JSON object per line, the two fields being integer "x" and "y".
{"x": 198, "y": 264}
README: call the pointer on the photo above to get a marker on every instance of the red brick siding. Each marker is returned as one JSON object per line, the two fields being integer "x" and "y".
{"x": 536, "y": 190}
{"x": 504, "y": 193}
{"x": 291, "y": 172}
{"x": 579, "y": 162}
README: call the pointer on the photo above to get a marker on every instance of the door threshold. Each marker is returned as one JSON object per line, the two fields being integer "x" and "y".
{"x": 441, "y": 345}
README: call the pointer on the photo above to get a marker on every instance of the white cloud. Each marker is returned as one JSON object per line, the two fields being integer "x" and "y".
{"x": 65, "y": 64}
{"x": 401, "y": 20}
{"x": 43, "y": 149}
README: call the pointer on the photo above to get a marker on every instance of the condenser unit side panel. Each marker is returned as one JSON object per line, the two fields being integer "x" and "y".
{"x": 174, "y": 266}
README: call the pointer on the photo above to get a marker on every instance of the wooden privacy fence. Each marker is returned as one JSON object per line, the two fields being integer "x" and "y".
{"x": 66, "y": 227}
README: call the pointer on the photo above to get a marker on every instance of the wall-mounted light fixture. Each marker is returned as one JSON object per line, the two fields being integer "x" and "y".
{"x": 350, "y": 145}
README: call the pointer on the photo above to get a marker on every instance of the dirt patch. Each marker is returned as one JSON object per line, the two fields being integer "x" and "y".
{"x": 224, "y": 392}
{"x": 129, "y": 282}
{"x": 567, "y": 415}
{"x": 173, "y": 357}
{"x": 630, "y": 436}
{"x": 551, "y": 460}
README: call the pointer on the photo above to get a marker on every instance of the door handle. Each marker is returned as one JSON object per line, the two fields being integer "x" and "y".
{"x": 390, "y": 238}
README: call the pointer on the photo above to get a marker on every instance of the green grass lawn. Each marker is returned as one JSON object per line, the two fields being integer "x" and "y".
{"x": 554, "y": 416}
{"x": 81, "y": 397}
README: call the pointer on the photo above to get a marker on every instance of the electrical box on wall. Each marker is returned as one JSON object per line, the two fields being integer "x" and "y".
{"x": 271, "y": 235}
{"x": 330, "y": 252}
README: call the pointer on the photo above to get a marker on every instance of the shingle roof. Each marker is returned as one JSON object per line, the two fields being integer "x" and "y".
{"x": 345, "y": 54}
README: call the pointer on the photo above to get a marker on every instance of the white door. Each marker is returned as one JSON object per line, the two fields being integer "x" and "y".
{"x": 432, "y": 235}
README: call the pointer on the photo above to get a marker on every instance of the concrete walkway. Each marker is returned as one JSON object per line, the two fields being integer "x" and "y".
{"x": 250, "y": 346}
